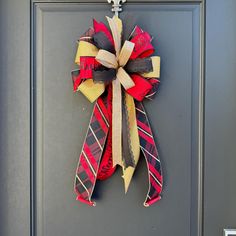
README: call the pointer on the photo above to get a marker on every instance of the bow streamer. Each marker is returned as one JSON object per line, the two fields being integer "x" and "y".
{"x": 116, "y": 70}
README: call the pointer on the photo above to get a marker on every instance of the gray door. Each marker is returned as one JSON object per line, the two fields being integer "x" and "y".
{"x": 43, "y": 122}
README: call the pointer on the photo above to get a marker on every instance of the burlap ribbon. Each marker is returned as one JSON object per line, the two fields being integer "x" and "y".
{"x": 117, "y": 62}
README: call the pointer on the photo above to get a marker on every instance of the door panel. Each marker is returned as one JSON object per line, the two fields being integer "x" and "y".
{"x": 60, "y": 119}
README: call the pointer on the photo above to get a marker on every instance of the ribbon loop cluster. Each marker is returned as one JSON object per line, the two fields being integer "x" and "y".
{"x": 117, "y": 78}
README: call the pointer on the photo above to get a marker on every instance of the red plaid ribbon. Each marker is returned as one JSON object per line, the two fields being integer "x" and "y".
{"x": 88, "y": 166}
{"x": 149, "y": 149}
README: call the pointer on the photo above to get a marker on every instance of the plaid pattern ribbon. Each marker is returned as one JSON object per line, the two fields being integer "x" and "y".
{"x": 149, "y": 149}
{"x": 116, "y": 71}
{"x": 90, "y": 157}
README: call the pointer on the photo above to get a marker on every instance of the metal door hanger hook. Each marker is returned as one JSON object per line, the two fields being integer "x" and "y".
{"x": 116, "y": 7}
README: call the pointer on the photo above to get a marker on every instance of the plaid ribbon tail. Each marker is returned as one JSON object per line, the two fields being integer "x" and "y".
{"x": 106, "y": 168}
{"x": 149, "y": 149}
{"x": 90, "y": 157}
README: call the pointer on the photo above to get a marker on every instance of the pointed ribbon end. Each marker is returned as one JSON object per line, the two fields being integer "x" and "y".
{"x": 127, "y": 176}
{"x": 90, "y": 203}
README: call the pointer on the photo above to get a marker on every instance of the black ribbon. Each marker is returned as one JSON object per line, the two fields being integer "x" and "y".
{"x": 102, "y": 42}
{"x": 128, "y": 26}
{"x": 127, "y": 153}
{"x": 139, "y": 65}
{"x": 104, "y": 75}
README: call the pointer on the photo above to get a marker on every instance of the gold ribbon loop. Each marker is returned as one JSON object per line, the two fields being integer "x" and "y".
{"x": 107, "y": 59}
{"x": 156, "y": 63}
{"x": 125, "y": 53}
{"x": 91, "y": 90}
{"x": 85, "y": 49}
{"x": 124, "y": 78}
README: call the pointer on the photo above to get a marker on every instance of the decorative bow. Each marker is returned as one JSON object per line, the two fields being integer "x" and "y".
{"x": 118, "y": 78}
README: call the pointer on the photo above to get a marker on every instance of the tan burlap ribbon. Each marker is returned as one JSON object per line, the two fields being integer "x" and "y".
{"x": 117, "y": 62}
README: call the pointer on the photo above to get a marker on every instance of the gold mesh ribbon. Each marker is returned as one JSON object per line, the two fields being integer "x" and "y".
{"x": 85, "y": 49}
{"x": 134, "y": 139}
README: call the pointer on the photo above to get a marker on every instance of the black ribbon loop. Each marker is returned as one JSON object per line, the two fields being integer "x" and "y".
{"x": 104, "y": 75}
{"x": 102, "y": 42}
{"x": 128, "y": 27}
{"x": 139, "y": 65}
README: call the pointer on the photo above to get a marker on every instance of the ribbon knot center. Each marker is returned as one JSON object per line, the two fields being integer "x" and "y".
{"x": 110, "y": 60}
